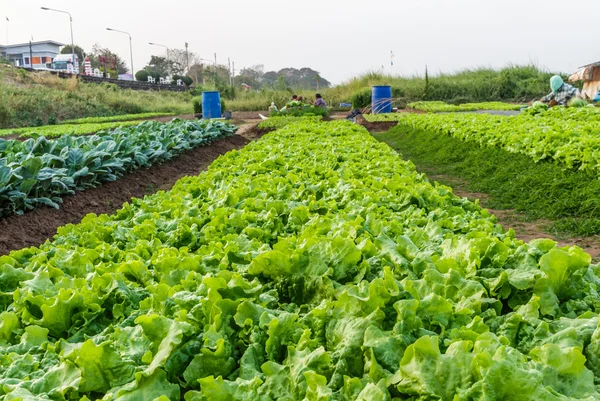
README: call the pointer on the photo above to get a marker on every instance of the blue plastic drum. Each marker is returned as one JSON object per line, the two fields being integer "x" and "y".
{"x": 382, "y": 99}
{"x": 211, "y": 105}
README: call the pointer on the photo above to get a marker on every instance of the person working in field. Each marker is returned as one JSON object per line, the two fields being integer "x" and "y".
{"x": 319, "y": 102}
{"x": 562, "y": 92}
{"x": 295, "y": 102}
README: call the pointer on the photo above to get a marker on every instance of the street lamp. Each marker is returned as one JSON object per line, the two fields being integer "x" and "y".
{"x": 159, "y": 45}
{"x": 71, "y": 23}
{"x": 130, "y": 49}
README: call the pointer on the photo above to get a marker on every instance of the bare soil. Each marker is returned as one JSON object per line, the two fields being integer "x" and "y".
{"x": 35, "y": 227}
{"x": 248, "y": 115}
{"x": 376, "y": 127}
{"x": 251, "y": 131}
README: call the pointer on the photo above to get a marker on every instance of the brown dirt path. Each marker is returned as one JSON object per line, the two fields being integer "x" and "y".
{"x": 35, "y": 227}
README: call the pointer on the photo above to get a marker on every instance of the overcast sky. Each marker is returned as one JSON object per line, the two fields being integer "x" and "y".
{"x": 339, "y": 38}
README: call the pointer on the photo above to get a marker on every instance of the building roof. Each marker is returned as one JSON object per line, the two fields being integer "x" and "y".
{"x": 596, "y": 64}
{"x": 42, "y": 42}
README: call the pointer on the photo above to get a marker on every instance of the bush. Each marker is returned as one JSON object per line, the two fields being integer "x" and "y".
{"x": 227, "y": 92}
{"x": 197, "y": 103}
{"x": 186, "y": 80}
{"x": 361, "y": 99}
{"x": 154, "y": 75}
{"x": 142, "y": 76}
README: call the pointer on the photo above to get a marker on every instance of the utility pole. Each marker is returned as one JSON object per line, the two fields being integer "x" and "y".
{"x": 233, "y": 72}
{"x": 229, "y": 70}
{"x": 187, "y": 58}
{"x": 215, "y": 68}
{"x": 30, "y": 55}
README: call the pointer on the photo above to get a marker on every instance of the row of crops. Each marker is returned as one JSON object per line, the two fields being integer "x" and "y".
{"x": 41, "y": 171}
{"x": 82, "y": 126}
{"x": 277, "y": 122}
{"x": 121, "y": 117}
{"x": 569, "y": 137}
{"x": 443, "y": 107}
{"x": 56, "y": 131}
{"x": 314, "y": 264}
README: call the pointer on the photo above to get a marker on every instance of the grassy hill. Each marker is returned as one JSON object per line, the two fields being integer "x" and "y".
{"x": 512, "y": 84}
{"x": 28, "y": 99}
{"x": 32, "y": 99}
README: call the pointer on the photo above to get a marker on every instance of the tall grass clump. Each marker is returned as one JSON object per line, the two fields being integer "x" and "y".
{"x": 511, "y": 84}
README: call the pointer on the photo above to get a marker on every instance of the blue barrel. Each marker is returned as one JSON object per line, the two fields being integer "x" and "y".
{"x": 211, "y": 105}
{"x": 382, "y": 99}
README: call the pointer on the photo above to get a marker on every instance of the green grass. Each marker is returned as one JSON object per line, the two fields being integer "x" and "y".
{"x": 540, "y": 190}
{"x": 54, "y": 131}
{"x": 28, "y": 99}
{"x": 122, "y": 117}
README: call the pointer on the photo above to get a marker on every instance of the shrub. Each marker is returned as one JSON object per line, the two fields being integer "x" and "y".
{"x": 197, "y": 103}
{"x": 142, "y": 76}
{"x": 186, "y": 80}
{"x": 227, "y": 92}
{"x": 223, "y": 105}
{"x": 362, "y": 99}
{"x": 154, "y": 75}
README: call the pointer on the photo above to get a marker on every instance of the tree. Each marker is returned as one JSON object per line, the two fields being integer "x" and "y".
{"x": 160, "y": 66}
{"x": 104, "y": 59}
{"x": 281, "y": 83}
{"x": 196, "y": 72}
{"x": 304, "y": 78}
{"x": 78, "y": 51}
{"x": 252, "y": 76}
{"x": 182, "y": 59}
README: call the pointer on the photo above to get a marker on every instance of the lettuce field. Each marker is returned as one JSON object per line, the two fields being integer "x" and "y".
{"x": 568, "y": 137}
{"x": 314, "y": 264}
{"x": 438, "y": 107}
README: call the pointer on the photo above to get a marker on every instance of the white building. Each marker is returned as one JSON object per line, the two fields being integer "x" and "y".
{"x": 35, "y": 55}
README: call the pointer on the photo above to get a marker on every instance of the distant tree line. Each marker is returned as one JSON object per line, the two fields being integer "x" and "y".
{"x": 303, "y": 78}
{"x": 188, "y": 66}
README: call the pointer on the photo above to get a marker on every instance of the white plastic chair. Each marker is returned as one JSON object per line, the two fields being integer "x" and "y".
{"x": 179, "y": 82}
{"x": 162, "y": 80}
{"x": 151, "y": 80}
